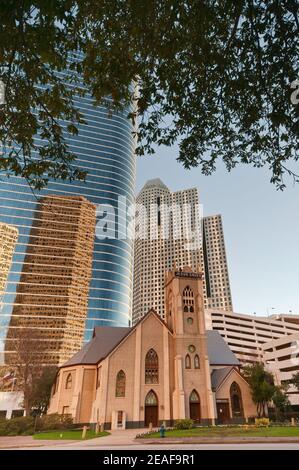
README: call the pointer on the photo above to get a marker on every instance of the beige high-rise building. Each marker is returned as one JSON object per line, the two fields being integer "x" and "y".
{"x": 52, "y": 294}
{"x": 8, "y": 239}
{"x": 215, "y": 262}
{"x": 169, "y": 233}
{"x": 162, "y": 240}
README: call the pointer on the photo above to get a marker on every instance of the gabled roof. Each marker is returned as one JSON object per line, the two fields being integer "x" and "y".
{"x": 107, "y": 338}
{"x": 218, "y": 376}
{"x": 218, "y": 351}
{"x": 104, "y": 340}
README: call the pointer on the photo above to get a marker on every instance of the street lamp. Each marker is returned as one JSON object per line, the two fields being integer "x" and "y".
{"x": 270, "y": 308}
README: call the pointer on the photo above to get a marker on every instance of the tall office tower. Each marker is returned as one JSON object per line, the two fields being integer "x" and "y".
{"x": 215, "y": 263}
{"x": 155, "y": 254}
{"x": 165, "y": 221}
{"x": 104, "y": 148}
{"x": 8, "y": 238}
{"x": 52, "y": 295}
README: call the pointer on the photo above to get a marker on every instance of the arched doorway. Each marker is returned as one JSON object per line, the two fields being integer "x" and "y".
{"x": 194, "y": 404}
{"x": 151, "y": 409}
{"x": 236, "y": 401}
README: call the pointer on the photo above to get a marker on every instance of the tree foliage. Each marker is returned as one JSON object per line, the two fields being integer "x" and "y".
{"x": 25, "y": 359}
{"x": 218, "y": 77}
{"x": 41, "y": 392}
{"x": 295, "y": 380}
{"x": 281, "y": 400}
{"x": 261, "y": 385}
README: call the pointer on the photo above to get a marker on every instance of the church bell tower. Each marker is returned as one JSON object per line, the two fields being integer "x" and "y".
{"x": 192, "y": 396}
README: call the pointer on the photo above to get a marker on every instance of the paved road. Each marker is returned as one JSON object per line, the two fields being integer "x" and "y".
{"x": 125, "y": 440}
{"x": 173, "y": 447}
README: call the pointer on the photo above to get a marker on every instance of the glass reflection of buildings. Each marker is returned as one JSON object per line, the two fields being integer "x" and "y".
{"x": 105, "y": 149}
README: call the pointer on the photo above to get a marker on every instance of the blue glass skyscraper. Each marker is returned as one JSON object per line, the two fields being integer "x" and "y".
{"x": 104, "y": 148}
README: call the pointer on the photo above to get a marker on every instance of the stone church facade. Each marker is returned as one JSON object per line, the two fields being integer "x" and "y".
{"x": 156, "y": 371}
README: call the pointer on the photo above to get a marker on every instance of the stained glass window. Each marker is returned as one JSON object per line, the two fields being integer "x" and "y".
{"x": 68, "y": 382}
{"x": 151, "y": 398}
{"x": 194, "y": 397}
{"x": 120, "y": 389}
{"x": 151, "y": 367}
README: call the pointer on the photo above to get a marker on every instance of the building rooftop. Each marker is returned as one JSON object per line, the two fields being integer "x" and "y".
{"x": 155, "y": 183}
{"x": 218, "y": 375}
{"x": 106, "y": 338}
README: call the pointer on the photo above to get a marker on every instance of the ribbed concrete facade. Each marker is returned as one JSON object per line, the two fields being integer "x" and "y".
{"x": 281, "y": 357}
{"x": 52, "y": 295}
{"x": 247, "y": 334}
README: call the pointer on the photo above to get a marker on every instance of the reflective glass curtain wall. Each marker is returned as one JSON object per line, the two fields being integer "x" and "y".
{"x": 105, "y": 149}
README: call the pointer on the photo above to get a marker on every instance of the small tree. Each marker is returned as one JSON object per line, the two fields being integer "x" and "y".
{"x": 41, "y": 390}
{"x": 26, "y": 348}
{"x": 295, "y": 380}
{"x": 261, "y": 385}
{"x": 281, "y": 400}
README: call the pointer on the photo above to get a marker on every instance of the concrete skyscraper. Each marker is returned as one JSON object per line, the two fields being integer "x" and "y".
{"x": 170, "y": 232}
{"x": 52, "y": 296}
{"x": 215, "y": 264}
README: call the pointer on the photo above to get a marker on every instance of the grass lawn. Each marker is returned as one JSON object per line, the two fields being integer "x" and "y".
{"x": 68, "y": 434}
{"x": 237, "y": 431}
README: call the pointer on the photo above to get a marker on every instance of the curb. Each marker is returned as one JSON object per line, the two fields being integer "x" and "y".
{"x": 217, "y": 440}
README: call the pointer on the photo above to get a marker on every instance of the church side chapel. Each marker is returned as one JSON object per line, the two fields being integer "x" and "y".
{"x": 156, "y": 371}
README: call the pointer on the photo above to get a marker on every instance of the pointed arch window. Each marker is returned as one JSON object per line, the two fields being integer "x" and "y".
{"x": 188, "y": 299}
{"x": 68, "y": 382}
{"x": 120, "y": 389}
{"x": 194, "y": 397}
{"x": 187, "y": 362}
{"x": 151, "y": 399}
{"x": 196, "y": 362}
{"x": 151, "y": 367}
{"x": 236, "y": 400}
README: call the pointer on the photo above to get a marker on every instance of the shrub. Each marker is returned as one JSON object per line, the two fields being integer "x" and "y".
{"x": 184, "y": 424}
{"x": 26, "y": 425}
{"x": 16, "y": 426}
{"x": 53, "y": 422}
{"x": 262, "y": 421}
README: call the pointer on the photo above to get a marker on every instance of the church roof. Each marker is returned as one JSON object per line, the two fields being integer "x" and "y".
{"x": 218, "y": 351}
{"x": 106, "y": 338}
{"x": 218, "y": 375}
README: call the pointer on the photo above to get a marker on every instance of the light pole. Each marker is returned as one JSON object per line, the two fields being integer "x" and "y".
{"x": 270, "y": 308}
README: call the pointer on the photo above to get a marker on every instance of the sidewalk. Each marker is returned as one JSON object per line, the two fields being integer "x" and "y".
{"x": 15, "y": 442}
{"x": 116, "y": 438}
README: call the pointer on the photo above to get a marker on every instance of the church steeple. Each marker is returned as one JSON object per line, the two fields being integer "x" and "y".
{"x": 184, "y": 302}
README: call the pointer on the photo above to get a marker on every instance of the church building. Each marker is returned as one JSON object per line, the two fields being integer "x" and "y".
{"x": 156, "y": 371}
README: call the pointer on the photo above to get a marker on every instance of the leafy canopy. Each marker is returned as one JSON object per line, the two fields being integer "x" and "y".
{"x": 261, "y": 385}
{"x": 218, "y": 77}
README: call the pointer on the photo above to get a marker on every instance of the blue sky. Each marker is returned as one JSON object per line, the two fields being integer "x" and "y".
{"x": 261, "y": 228}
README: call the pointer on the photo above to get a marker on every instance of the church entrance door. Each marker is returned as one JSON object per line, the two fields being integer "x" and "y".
{"x": 223, "y": 412}
{"x": 151, "y": 416}
{"x": 194, "y": 402}
{"x": 151, "y": 409}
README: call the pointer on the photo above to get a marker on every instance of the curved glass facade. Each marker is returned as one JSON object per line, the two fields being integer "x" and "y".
{"x": 51, "y": 257}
